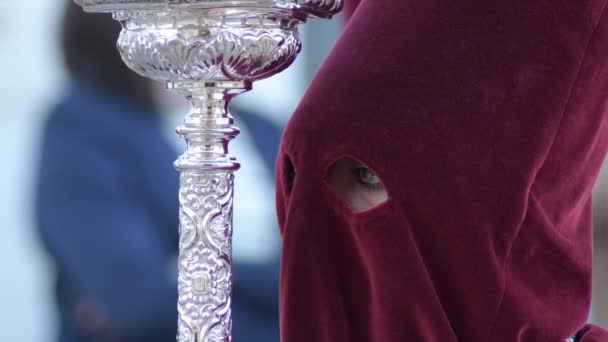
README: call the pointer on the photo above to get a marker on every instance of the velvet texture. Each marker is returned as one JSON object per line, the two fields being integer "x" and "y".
{"x": 349, "y": 7}
{"x": 486, "y": 122}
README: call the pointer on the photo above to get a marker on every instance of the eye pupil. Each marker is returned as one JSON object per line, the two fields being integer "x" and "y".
{"x": 366, "y": 176}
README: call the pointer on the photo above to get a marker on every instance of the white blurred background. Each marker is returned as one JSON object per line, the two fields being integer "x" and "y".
{"x": 31, "y": 79}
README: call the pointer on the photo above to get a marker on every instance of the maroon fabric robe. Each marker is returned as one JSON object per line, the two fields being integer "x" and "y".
{"x": 486, "y": 121}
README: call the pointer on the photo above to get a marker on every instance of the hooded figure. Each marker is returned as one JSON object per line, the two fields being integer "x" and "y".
{"x": 482, "y": 125}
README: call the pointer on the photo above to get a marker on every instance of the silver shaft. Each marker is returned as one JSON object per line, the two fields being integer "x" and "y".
{"x": 206, "y": 197}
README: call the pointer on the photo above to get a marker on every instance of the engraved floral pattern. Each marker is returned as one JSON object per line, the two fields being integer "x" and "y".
{"x": 205, "y": 278}
{"x": 329, "y": 6}
{"x": 249, "y": 54}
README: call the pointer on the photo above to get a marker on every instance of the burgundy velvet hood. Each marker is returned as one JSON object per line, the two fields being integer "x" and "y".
{"x": 486, "y": 121}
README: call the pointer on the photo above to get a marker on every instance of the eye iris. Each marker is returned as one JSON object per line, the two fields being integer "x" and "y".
{"x": 368, "y": 177}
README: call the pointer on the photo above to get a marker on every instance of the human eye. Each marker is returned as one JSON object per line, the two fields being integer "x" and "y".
{"x": 356, "y": 184}
{"x": 367, "y": 178}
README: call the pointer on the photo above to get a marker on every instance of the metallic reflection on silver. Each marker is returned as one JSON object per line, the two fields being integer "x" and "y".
{"x": 209, "y": 51}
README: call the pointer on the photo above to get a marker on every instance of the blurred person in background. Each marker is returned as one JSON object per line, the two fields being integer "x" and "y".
{"x": 107, "y": 205}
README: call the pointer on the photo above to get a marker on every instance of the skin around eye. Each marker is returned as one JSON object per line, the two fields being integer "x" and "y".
{"x": 356, "y": 184}
{"x": 367, "y": 178}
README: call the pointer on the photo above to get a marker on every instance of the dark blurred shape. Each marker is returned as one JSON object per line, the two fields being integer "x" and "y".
{"x": 107, "y": 204}
{"x": 88, "y": 41}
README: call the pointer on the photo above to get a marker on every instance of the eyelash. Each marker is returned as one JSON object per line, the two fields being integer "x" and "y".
{"x": 360, "y": 171}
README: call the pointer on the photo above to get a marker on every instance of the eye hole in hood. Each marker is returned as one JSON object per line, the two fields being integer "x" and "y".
{"x": 356, "y": 184}
{"x": 290, "y": 174}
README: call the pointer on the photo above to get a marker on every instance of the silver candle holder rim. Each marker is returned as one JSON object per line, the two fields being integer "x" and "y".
{"x": 310, "y": 8}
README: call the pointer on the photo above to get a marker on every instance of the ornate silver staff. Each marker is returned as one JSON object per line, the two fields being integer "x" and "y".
{"x": 209, "y": 51}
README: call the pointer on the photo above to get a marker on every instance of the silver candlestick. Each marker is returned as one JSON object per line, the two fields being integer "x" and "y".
{"x": 208, "y": 51}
